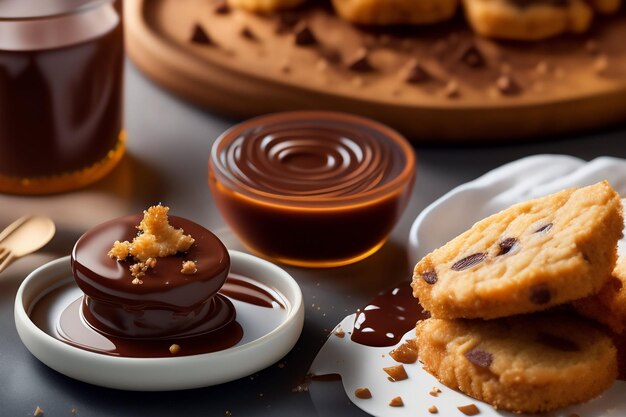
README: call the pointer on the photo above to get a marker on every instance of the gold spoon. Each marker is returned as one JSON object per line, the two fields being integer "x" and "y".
{"x": 24, "y": 236}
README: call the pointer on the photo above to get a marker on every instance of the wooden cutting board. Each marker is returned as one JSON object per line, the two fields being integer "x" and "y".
{"x": 566, "y": 85}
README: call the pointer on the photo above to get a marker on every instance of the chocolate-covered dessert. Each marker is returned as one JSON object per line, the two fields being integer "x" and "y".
{"x": 160, "y": 283}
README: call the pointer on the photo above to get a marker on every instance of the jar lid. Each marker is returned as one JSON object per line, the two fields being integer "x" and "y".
{"x": 32, "y": 9}
{"x": 75, "y": 25}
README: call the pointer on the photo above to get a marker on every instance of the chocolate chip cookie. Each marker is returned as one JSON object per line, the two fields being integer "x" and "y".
{"x": 532, "y": 363}
{"x": 528, "y": 19}
{"x": 609, "y": 305}
{"x": 390, "y": 12}
{"x": 529, "y": 257}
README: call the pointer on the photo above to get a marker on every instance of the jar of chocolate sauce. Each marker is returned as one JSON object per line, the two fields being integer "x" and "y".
{"x": 61, "y": 79}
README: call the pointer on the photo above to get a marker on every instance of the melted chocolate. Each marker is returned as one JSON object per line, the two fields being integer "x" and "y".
{"x": 71, "y": 328}
{"x": 243, "y": 289}
{"x": 60, "y": 108}
{"x": 388, "y": 317}
{"x": 311, "y": 187}
{"x": 168, "y": 302}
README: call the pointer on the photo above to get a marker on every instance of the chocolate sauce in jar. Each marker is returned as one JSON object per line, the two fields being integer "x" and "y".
{"x": 388, "y": 317}
{"x": 61, "y": 79}
{"x": 311, "y": 188}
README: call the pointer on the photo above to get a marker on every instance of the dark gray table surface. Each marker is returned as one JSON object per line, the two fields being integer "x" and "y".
{"x": 168, "y": 147}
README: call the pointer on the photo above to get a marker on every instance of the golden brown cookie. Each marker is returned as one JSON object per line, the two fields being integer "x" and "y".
{"x": 529, "y": 257}
{"x": 528, "y": 19}
{"x": 532, "y": 363}
{"x": 609, "y": 305}
{"x": 606, "y": 6}
{"x": 392, "y": 12}
{"x": 264, "y": 6}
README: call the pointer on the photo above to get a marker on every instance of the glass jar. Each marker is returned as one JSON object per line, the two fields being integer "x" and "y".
{"x": 61, "y": 81}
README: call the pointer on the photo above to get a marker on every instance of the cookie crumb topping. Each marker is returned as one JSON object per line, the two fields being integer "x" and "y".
{"x": 433, "y": 409}
{"x": 174, "y": 349}
{"x": 38, "y": 411}
{"x": 156, "y": 239}
{"x": 189, "y": 268}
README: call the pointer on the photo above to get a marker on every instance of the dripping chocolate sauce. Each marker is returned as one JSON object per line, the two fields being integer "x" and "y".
{"x": 72, "y": 328}
{"x": 384, "y": 321}
{"x": 387, "y": 317}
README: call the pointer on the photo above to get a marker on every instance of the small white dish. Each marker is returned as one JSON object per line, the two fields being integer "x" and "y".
{"x": 452, "y": 214}
{"x": 161, "y": 374}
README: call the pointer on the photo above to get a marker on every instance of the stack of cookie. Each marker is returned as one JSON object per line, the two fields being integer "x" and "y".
{"x": 504, "y": 19}
{"x": 498, "y": 329}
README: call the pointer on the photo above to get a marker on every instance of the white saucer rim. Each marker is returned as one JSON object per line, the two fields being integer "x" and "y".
{"x": 292, "y": 325}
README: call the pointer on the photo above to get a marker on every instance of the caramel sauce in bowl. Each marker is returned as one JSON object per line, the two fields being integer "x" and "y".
{"x": 315, "y": 189}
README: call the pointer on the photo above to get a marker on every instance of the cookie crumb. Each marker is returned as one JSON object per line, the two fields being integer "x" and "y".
{"x": 174, "y": 349}
{"x": 189, "y": 268}
{"x": 601, "y": 64}
{"x": 473, "y": 57}
{"x": 228, "y": 413}
{"x": 452, "y": 89}
{"x": 362, "y": 393}
{"x": 38, "y": 411}
{"x": 396, "y": 373}
{"x": 507, "y": 85}
{"x": 433, "y": 410}
{"x": 469, "y": 409}
{"x": 360, "y": 62}
{"x": 435, "y": 392}
{"x": 592, "y": 47}
{"x": 74, "y": 411}
{"x": 136, "y": 281}
{"x": 405, "y": 353}
{"x": 416, "y": 73}
{"x": 542, "y": 68}
{"x": 396, "y": 402}
{"x": 340, "y": 333}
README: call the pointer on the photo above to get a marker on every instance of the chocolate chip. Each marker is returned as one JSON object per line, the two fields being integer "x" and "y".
{"x": 303, "y": 35}
{"x": 506, "y": 245}
{"x": 469, "y": 261}
{"x": 417, "y": 74}
{"x": 540, "y": 294}
{"x": 221, "y": 7}
{"x": 247, "y": 33}
{"x": 473, "y": 57}
{"x": 507, "y": 85}
{"x": 430, "y": 277}
{"x": 479, "y": 358}
{"x": 286, "y": 22}
{"x": 200, "y": 36}
{"x": 332, "y": 56}
{"x": 557, "y": 342}
{"x": 545, "y": 228}
{"x": 361, "y": 63}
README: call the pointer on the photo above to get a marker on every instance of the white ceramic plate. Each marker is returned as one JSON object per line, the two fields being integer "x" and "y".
{"x": 160, "y": 374}
{"x": 455, "y": 212}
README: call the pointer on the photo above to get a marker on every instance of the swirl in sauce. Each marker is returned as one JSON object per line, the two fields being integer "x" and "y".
{"x": 311, "y": 188}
